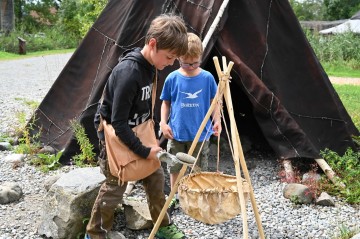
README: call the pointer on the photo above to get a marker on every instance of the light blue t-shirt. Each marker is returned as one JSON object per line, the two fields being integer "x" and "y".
{"x": 190, "y": 99}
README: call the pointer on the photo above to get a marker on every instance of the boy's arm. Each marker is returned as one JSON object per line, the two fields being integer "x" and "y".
{"x": 165, "y": 128}
{"x": 217, "y": 119}
{"x": 123, "y": 99}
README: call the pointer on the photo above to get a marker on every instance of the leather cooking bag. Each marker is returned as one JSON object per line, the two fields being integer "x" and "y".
{"x": 123, "y": 162}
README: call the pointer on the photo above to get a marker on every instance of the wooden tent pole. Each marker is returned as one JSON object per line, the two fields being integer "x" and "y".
{"x": 215, "y": 23}
{"x": 225, "y": 77}
{"x": 289, "y": 172}
{"x": 252, "y": 195}
{"x": 329, "y": 172}
{"x": 237, "y": 143}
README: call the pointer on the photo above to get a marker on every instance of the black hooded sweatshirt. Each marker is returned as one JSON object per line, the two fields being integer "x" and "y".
{"x": 127, "y": 98}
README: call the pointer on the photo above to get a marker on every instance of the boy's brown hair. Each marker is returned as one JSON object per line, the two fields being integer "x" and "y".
{"x": 170, "y": 33}
{"x": 195, "y": 48}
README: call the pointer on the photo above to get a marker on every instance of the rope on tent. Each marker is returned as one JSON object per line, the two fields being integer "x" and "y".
{"x": 317, "y": 117}
{"x": 97, "y": 71}
{"x": 266, "y": 41}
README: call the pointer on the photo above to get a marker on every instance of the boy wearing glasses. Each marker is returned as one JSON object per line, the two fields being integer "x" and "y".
{"x": 186, "y": 98}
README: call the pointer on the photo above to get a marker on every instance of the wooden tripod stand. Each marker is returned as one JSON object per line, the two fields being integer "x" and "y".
{"x": 222, "y": 91}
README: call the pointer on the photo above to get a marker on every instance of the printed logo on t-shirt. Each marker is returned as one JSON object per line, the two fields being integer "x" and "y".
{"x": 146, "y": 92}
{"x": 138, "y": 120}
{"x": 191, "y": 95}
{"x": 189, "y": 105}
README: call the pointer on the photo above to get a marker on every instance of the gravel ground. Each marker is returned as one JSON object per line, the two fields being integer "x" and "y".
{"x": 26, "y": 80}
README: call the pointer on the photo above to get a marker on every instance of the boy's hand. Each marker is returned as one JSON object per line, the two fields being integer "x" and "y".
{"x": 166, "y": 130}
{"x": 153, "y": 152}
{"x": 217, "y": 128}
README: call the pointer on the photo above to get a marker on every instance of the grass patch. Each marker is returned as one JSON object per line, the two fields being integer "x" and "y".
{"x": 350, "y": 97}
{"x": 346, "y": 233}
{"x": 31, "y": 103}
{"x": 4, "y": 56}
{"x": 341, "y": 70}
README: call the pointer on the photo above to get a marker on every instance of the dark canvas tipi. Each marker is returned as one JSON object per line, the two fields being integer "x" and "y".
{"x": 280, "y": 92}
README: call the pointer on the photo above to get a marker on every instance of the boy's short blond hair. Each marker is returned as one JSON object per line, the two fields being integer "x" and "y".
{"x": 170, "y": 33}
{"x": 195, "y": 48}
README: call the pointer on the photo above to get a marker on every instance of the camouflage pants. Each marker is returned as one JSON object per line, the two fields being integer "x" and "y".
{"x": 110, "y": 195}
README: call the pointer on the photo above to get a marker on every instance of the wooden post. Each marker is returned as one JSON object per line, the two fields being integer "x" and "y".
{"x": 22, "y": 46}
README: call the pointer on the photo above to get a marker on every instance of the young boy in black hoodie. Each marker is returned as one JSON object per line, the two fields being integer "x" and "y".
{"x": 126, "y": 104}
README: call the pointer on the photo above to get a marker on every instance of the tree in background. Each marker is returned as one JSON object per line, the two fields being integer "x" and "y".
{"x": 34, "y": 16}
{"x": 92, "y": 8}
{"x": 308, "y": 10}
{"x": 72, "y": 16}
{"x": 78, "y": 16}
{"x": 18, "y": 11}
{"x": 50, "y": 24}
{"x": 327, "y": 10}
{"x": 341, "y": 9}
{"x": 7, "y": 19}
{"x": 68, "y": 17}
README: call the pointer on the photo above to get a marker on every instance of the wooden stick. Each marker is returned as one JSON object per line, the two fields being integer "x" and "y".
{"x": 225, "y": 68}
{"x": 252, "y": 195}
{"x": 239, "y": 154}
{"x": 329, "y": 172}
{"x": 129, "y": 187}
{"x": 236, "y": 163}
{"x": 215, "y": 23}
{"x": 217, "y": 67}
{"x": 223, "y": 79}
{"x": 289, "y": 172}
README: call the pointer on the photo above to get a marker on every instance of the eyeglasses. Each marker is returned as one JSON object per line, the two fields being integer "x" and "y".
{"x": 188, "y": 65}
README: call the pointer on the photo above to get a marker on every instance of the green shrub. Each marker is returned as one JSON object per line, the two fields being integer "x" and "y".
{"x": 347, "y": 167}
{"x": 337, "y": 48}
{"x": 87, "y": 156}
{"x": 28, "y": 144}
{"x": 47, "y": 162}
{"x": 51, "y": 39}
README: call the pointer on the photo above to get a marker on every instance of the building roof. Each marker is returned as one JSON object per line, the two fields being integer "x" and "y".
{"x": 351, "y": 25}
